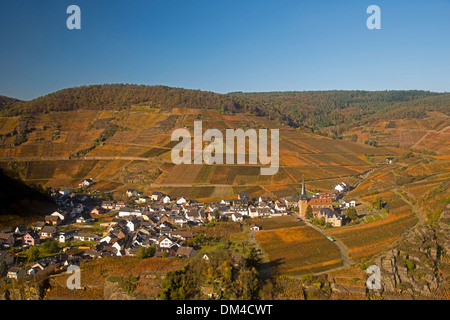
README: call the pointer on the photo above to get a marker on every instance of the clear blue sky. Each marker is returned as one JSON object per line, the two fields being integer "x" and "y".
{"x": 224, "y": 46}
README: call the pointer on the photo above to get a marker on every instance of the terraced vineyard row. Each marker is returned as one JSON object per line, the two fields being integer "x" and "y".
{"x": 298, "y": 250}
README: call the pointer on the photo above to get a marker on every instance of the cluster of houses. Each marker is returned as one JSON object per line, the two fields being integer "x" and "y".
{"x": 155, "y": 220}
{"x": 72, "y": 208}
{"x": 126, "y": 235}
{"x": 185, "y": 211}
{"x": 321, "y": 204}
{"x": 159, "y": 220}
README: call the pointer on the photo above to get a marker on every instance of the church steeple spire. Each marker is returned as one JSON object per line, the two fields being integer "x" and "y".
{"x": 303, "y": 195}
{"x": 302, "y": 201}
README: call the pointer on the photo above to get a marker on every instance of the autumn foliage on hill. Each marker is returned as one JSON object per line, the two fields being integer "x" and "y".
{"x": 6, "y": 102}
{"x": 317, "y": 109}
{"x": 119, "y": 96}
{"x": 311, "y": 109}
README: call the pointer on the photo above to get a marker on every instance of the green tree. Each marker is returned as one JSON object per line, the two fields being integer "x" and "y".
{"x": 352, "y": 214}
{"x": 309, "y": 213}
{"x": 146, "y": 252}
{"x": 377, "y": 203}
{"x": 252, "y": 258}
{"x": 216, "y": 215}
{"x": 249, "y": 285}
{"x": 410, "y": 265}
{"x": 321, "y": 221}
{"x": 50, "y": 246}
{"x": 177, "y": 285}
{"x": 3, "y": 268}
{"x": 32, "y": 253}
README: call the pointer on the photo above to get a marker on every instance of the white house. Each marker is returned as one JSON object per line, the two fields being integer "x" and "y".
{"x": 255, "y": 212}
{"x": 291, "y": 202}
{"x": 120, "y": 204}
{"x": 87, "y": 183}
{"x": 341, "y": 187}
{"x": 85, "y": 237}
{"x": 243, "y": 211}
{"x": 143, "y": 199}
{"x": 21, "y": 230}
{"x": 118, "y": 248}
{"x": 156, "y": 196}
{"x": 351, "y": 203}
{"x": 265, "y": 199}
{"x": 181, "y": 200}
{"x": 84, "y": 218}
{"x": 49, "y": 231}
{"x": 236, "y": 217}
{"x": 108, "y": 205}
{"x": 106, "y": 239}
{"x": 180, "y": 220}
{"x": 66, "y": 236}
{"x": 166, "y": 199}
{"x": 15, "y": 273}
{"x": 133, "y": 193}
{"x": 194, "y": 215}
{"x": 252, "y": 212}
{"x": 125, "y": 212}
{"x": 165, "y": 242}
{"x": 280, "y": 207}
{"x": 132, "y": 225}
{"x": 64, "y": 192}
{"x": 346, "y": 205}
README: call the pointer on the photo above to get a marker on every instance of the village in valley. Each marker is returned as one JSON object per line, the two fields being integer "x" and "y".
{"x": 86, "y": 226}
{"x": 210, "y": 150}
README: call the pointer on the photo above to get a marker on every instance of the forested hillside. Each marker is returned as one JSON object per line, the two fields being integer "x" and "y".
{"x": 308, "y": 109}
{"x": 318, "y": 109}
{"x": 120, "y": 96}
{"x": 7, "y": 103}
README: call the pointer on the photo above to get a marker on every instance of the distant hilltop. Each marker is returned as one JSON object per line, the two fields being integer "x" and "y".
{"x": 310, "y": 109}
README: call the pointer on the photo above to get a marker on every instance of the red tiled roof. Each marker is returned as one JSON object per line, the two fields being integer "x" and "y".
{"x": 320, "y": 202}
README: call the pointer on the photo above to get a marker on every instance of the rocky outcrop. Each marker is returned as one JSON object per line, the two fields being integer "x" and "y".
{"x": 113, "y": 291}
{"x": 26, "y": 292}
{"x": 419, "y": 264}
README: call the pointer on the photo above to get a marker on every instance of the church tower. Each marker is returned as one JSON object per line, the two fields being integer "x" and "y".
{"x": 302, "y": 202}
